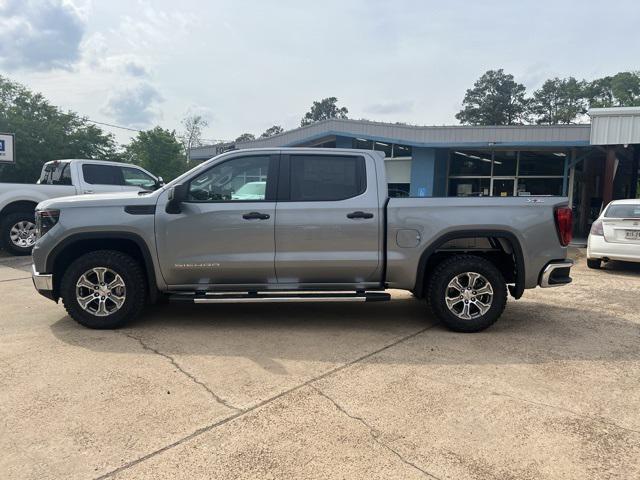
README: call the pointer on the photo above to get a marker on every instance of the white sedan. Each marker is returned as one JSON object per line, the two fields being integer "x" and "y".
{"x": 615, "y": 235}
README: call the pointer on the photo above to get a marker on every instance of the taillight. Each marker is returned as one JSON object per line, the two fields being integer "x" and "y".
{"x": 45, "y": 220}
{"x": 564, "y": 224}
{"x": 597, "y": 228}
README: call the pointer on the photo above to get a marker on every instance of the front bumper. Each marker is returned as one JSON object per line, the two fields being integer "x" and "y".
{"x": 556, "y": 274}
{"x": 43, "y": 282}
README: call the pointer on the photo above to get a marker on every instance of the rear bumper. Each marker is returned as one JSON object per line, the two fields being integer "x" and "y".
{"x": 556, "y": 274}
{"x": 598, "y": 248}
{"x": 43, "y": 282}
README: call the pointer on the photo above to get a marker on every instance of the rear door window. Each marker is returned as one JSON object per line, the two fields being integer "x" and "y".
{"x": 326, "y": 177}
{"x": 102, "y": 174}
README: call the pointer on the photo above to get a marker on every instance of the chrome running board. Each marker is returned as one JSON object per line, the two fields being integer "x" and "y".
{"x": 278, "y": 297}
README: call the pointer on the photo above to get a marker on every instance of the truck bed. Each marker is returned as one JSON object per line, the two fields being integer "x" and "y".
{"x": 416, "y": 224}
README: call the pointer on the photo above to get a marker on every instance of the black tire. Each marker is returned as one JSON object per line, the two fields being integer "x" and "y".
{"x": 132, "y": 276}
{"x": 594, "y": 263}
{"x": 450, "y": 268}
{"x": 5, "y": 231}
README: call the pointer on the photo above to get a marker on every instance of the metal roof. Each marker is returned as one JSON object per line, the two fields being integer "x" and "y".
{"x": 615, "y": 126}
{"x": 454, "y": 136}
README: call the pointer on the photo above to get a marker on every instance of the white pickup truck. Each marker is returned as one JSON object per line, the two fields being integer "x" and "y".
{"x": 62, "y": 178}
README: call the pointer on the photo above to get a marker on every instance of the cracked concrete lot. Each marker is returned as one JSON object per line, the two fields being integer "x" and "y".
{"x": 325, "y": 390}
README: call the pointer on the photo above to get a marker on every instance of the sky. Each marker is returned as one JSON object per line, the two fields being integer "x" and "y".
{"x": 245, "y": 65}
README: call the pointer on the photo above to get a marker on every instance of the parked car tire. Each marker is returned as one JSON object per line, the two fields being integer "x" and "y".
{"x": 103, "y": 289}
{"x": 468, "y": 293}
{"x": 18, "y": 232}
{"x": 594, "y": 263}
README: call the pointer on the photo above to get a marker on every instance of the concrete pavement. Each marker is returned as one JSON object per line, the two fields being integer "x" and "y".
{"x": 326, "y": 390}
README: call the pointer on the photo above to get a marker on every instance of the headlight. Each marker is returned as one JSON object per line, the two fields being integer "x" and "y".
{"x": 45, "y": 220}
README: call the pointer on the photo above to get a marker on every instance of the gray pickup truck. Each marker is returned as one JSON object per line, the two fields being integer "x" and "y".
{"x": 295, "y": 224}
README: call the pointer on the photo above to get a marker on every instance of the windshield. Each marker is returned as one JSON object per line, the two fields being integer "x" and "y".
{"x": 55, "y": 173}
{"x": 628, "y": 210}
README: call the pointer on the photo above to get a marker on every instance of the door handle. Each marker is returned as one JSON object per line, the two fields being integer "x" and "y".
{"x": 256, "y": 216}
{"x": 88, "y": 191}
{"x": 359, "y": 214}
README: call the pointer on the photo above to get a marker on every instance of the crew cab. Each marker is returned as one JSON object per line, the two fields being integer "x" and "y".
{"x": 322, "y": 229}
{"x": 60, "y": 178}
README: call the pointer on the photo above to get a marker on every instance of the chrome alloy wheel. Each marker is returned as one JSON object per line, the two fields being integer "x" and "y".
{"x": 469, "y": 295}
{"x": 100, "y": 291}
{"x": 23, "y": 234}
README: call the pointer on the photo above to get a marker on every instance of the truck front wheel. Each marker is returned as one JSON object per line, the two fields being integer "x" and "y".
{"x": 18, "y": 231}
{"x": 467, "y": 293}
{"x": 103, "y": 289}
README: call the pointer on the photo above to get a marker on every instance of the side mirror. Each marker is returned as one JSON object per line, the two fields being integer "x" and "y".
{"x": 177, "y": 195}
{"x": 160, "y": 182}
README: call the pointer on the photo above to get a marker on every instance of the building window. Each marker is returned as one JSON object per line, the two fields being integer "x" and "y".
{"x": 506, "y": 173}
{"x": 470, "y": 163}
{"x": 537, "y": 164}
{"x": 327, "y": 144}
{"x": 383, "y": 147}
{"x": 401, "y": 151}
{"x": 469, "y": 187}
{"x": 362, "y": 144}
{"x": 393, "y": 150}
{"x": 505, "y": 163}
{"x": 539, "y": 186}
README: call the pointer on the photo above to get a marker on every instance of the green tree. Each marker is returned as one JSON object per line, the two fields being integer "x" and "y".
{"x": 619, "y": 90}
{"x": 599, "y": 93}
{"x": 559, "y": 101}
{"x": 495, "y": 99}
{"x": 626, "y": 89}
{"x": 323, "y": 110}
{"x": 159, "y": 151}
{"x": 271, "y": 131}
{"x": 245, "y": 137}
{"x": 44, "y": 132}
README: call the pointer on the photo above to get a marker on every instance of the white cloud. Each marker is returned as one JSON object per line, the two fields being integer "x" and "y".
{"x": 40, "y": 34}
{"x": 411, "y": 61}
{"x": 390, "y": 108}
{"x": 134, "y": 106}
{"x": 135, "y": 69}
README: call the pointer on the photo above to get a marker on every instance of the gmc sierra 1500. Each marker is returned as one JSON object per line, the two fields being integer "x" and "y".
{"x": 317, "y": 226}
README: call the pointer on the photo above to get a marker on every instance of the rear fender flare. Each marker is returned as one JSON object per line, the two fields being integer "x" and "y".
{"x": 516, "y": 291}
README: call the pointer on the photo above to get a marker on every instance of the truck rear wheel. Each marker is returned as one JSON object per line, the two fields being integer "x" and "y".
{"x": 103, "y": 289}
{"x": 467, "y": 293}
{"x": 18, "y": 231}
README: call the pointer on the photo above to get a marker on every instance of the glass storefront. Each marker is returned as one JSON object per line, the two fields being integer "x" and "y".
{"x": 505, "y": 173}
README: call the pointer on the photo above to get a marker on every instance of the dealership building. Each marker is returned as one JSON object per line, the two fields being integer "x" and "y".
{"x": 592, "y": 164}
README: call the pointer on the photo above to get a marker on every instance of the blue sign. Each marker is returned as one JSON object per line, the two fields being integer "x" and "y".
{"x": 1, "y": 145}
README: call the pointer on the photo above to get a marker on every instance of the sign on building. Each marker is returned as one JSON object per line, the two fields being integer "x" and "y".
{"x": 7, "y": 152}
